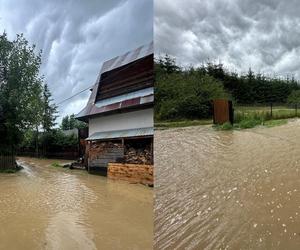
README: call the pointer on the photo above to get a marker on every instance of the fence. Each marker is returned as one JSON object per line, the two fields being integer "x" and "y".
{"x": 70, "y": 154}
{"x": 265, "y": 111}
{"x": 7, "y": 162}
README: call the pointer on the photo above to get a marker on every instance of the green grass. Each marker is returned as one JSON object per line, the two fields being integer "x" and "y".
{"x": 8, "y": 171}
{"x": 225, "y": 126}
{"x": 264, "y": 113}
{"x": 11, "y": 170}
{"x": 249, "y": 123}
{"x": 244, "y": 117}
{"x": 183, "y": 123}
{"x": 56, "y": 165}
{"x": 273, "y": 123}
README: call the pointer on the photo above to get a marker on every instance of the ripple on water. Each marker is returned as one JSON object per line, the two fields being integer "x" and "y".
{"x": 42, "y": 207}
{"x": 227, "y": 189}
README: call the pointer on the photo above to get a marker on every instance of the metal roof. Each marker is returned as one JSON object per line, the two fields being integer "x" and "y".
{"x": 136, "y": 132}
{"x": 92, "y": 109}
{"x": 127, "y": 58}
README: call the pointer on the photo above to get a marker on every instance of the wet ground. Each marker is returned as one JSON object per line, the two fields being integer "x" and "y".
{"x": 228, "y": 189}
{"x": 43, "y": 207}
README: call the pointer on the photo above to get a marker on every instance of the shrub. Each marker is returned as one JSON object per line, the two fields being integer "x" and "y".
{"x": 226, "y": 126}
{"x": 56, "y": 165}
{"x": 249, "y": 123}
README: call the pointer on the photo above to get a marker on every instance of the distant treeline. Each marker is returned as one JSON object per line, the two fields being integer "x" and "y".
{"x": 186, "y": 93}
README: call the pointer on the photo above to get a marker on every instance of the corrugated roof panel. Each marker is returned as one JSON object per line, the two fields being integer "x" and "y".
{"x": 121, "y": 134}
{"x": 127, "y": 58}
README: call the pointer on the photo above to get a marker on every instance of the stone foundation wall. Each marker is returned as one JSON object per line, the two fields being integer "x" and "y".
{"x": 133, "y": 173}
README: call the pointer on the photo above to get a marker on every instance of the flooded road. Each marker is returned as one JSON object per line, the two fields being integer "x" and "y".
{"x": 228, "y": 189}
{"x": 43, "y": 207}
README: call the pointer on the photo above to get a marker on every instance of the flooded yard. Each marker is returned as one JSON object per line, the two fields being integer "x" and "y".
{"x": 43, "y": 207}
{"x": 228, "y": 189}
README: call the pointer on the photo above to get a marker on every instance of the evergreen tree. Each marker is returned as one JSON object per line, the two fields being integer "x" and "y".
{"x": 49, "y": 110}
{"x": 65, "y": 124}
{"x": 70, "y": 122}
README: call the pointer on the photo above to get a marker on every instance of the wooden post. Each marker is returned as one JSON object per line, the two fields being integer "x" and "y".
{"x": 271, "y": 110}
{"x": 296, "y": 109}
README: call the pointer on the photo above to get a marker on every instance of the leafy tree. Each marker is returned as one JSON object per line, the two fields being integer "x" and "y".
{"x": 21, "y": 88}
{"x": 190, "y": 99}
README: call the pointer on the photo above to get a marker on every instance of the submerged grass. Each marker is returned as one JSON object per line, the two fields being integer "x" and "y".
{"x": 56, "y": 165}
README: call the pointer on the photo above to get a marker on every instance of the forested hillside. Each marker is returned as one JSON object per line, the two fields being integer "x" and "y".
{"x": 187, "y": 92}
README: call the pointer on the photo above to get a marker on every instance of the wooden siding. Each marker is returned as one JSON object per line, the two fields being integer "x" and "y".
{"x": 134, "y": 76}
{"x": 109, "y": 155}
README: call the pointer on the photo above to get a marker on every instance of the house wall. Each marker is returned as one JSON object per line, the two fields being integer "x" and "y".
{"x": 136, "y": 119}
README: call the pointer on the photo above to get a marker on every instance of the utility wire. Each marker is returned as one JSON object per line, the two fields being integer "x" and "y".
{"x": 108, "y": 77}
{"x": 74, "y": 95}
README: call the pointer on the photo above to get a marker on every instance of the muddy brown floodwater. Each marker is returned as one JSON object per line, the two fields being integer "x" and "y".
{"x": 228, "y": 189}
{"x": 43, "y": 207}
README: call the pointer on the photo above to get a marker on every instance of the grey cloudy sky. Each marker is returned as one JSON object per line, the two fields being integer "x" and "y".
{"x": 261, "y": 34}
{"x": 76, "y": 36}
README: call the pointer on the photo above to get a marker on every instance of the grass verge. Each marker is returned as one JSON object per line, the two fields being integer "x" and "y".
{"x": 184, "y": 123}
{"x": 11, "y": 170}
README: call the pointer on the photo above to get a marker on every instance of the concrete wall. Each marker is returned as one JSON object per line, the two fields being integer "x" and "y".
{"x": 129, "y": 120}
{"x": 133, "y": 173}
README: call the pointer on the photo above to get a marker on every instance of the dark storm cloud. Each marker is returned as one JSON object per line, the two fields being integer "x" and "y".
{"x": 263, "y": 35}
{"x": 76, "y": 36}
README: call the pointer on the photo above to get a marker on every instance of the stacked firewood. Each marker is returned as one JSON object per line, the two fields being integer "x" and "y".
{"x": 99, "y": 148}
{"x": 138, "y": 155}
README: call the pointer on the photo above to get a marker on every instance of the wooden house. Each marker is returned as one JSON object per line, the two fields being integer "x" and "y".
{"x": 119, "y": 112}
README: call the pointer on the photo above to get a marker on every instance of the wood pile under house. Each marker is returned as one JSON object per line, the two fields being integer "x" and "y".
{"x": 120, "y": 117}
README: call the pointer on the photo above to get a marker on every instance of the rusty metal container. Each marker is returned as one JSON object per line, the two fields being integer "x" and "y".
{"x": 222, "y": 111}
